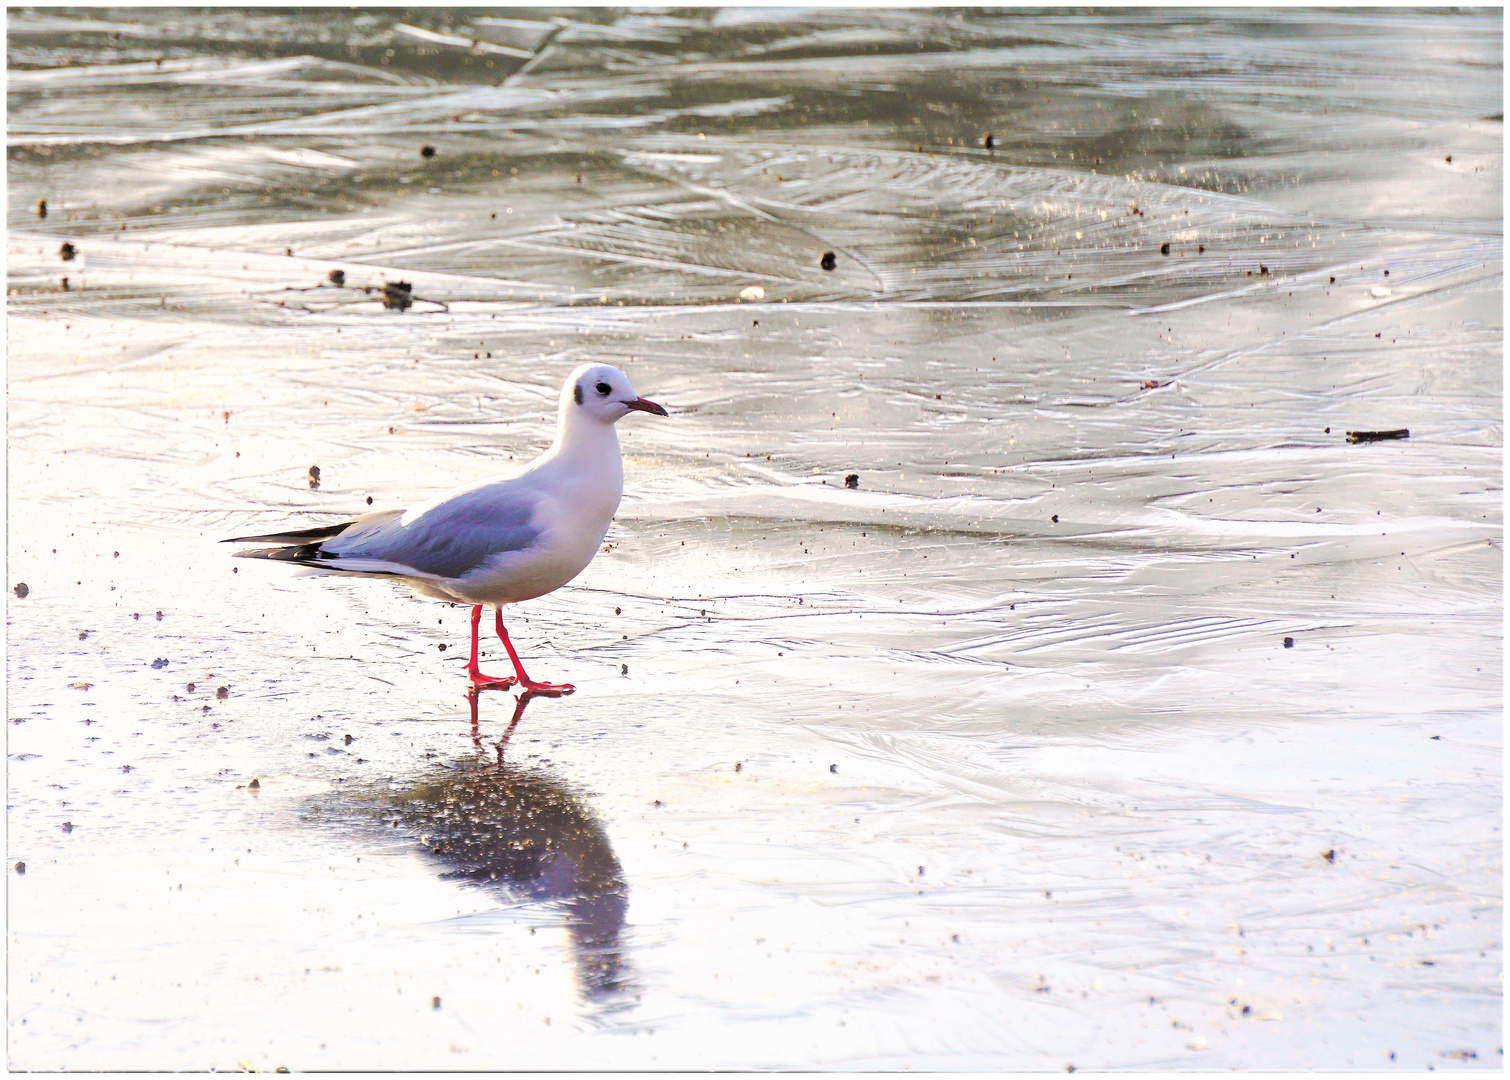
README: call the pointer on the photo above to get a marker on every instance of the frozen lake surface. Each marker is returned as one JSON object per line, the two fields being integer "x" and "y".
{"x": 1125, "y": 716}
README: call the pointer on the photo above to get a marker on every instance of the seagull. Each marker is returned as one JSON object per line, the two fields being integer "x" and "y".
{"x": 502, "y": 539}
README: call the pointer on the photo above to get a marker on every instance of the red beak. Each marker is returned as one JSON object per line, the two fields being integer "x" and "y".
{"x": 646, "y": 406}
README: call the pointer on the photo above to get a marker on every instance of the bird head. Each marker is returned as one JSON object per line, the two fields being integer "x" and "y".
{"x": 602, "y": 393}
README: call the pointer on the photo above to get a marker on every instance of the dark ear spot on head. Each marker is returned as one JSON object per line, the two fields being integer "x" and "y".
{"x": 577, "y": 393}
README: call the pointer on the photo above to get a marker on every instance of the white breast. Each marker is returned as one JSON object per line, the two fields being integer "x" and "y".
{"x": 579, "y": 492}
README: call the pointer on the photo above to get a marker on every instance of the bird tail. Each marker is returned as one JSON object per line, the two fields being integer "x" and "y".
{"x": 304, "y": 547}
{"x": 307, "y": 554}
{"x": 310, "y": 555}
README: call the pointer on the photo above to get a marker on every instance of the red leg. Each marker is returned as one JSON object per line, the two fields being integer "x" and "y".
{"x": 479, "y": 680}
{"x": 548, "y": 689}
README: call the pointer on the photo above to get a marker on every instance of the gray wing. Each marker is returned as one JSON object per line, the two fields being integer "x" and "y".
{"x": 450, "y": 539}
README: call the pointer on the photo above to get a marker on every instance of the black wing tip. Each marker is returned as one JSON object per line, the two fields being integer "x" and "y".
{"x": 295, "y": 536}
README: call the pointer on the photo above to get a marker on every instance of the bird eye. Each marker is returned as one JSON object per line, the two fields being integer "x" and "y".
{"x": 604, "y": 389}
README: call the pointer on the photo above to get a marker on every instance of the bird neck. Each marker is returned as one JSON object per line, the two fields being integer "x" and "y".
{"x": 585, "y": 442}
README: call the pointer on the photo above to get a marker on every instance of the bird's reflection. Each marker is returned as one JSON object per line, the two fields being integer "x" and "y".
{"x": 523, "y": 832}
